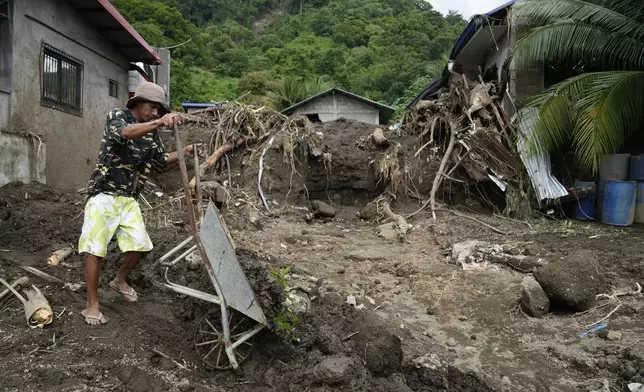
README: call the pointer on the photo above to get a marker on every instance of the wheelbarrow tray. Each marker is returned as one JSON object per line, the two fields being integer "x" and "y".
{"x": 227, "y": 273}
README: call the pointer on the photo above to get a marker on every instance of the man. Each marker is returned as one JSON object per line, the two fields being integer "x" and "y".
{"x": 130, "y": 149}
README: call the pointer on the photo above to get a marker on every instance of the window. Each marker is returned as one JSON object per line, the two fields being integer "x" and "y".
{"x": 114, "y": 89}
{"x": 5, "y": 47}
{"x": 62, "y": 81}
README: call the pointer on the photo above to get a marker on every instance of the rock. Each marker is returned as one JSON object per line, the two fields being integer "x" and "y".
{"x": 462, "y": 318}
{"x": 299, "y": 302}
{"x": 341, "y": 270}
{"x": 431, "y": 310}
{"x": 614, "y": 336}
{"x": 628, "y": 371}
{"x": 530, "y": 250}
{"x": 254, "y": 220}
{"x": 514, "y": 252}
{"x": 215, "y": 191}
{"x": 137, "y": 380}
{"x": 380, "y": 349}
{"x": 462, "y": 250}
{"x": 534, "y": 300}
{"x": 397, "y": 383}
{"x": 322, "y": 210}
{"x": 334, "y": 370}
{"x": 366, "y": 255}
{"x": 328, "y": 342}
{"x": 603, "y": 333}
{"x": 369, "y": 212}
{"x": 572, "y": 283}
{"x": 388, "y": 231}
{"x": 333, "y": 299}
{"x": 451, "y": 342}
{"x": 185, "y": 386}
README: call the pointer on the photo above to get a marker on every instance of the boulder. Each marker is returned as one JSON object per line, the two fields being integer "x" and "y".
{"x": 572, "y": 283}
{"x": 322, "y": 210}
{"x": 534, "y": 300}
{"x": 335, "y": 370}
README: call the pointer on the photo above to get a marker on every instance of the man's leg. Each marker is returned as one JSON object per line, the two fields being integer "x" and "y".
{"x": 133, "y": 241}
{"x": 92, "y": 274}
{"x": 130, "y": 261}
{"x": 99, "y": 226}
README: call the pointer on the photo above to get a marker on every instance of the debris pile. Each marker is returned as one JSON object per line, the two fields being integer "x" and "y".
{"x": 473, "y": 254}
{"x": 464, "y": 126}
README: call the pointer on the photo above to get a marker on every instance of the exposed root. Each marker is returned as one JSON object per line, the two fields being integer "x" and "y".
{"x": 402, "y": 227}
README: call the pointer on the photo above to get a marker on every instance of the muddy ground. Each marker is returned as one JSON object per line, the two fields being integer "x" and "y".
{"x": 426, "y": 325}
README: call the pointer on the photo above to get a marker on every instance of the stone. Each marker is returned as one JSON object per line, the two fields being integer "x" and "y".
{"x": 329, "y": 342}
{"x": 534, "y": 300}
{"x": 388, "y": 231}
{"x": 397, "y": 383}
{"x": 451, "y": 342}
{"x": 334, "y": 370}
{"x": 572, "y": 283}
{"x": 185, "y": 386}
{"x": 369, "y": 212}
{"x": 462, "y": 318}
{"x": 531, "y": 250}
{"x": 254, "y": 220}
{"x": 614, "y": 336}
{"x": 137, "y": 380}
{"x": 333, "y": 299}
{"x": 366, "y": 255}
{"x": 322, "y": 210}
{"x": 514, "y": 252}
{"x": 462, "y": 250}
{"x": 299, "y": 302}
{"x": 341, "y": 270}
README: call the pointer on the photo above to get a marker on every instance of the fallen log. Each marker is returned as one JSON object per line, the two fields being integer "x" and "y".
{"x": 59, "y": 255}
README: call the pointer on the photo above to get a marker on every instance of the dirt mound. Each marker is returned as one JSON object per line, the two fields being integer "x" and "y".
{"x": 35, "y": 217}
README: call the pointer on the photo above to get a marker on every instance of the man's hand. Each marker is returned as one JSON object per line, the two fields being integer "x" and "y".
{"x": 168, "y": 120}
{"x": 187, "y": 150}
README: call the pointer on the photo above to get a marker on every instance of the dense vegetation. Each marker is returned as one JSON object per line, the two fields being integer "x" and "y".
{"x": 277, "y": 52}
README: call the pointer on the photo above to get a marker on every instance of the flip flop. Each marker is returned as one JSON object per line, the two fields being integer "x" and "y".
{"x": 93, "y": 320}
{"x": 128, "y": 295}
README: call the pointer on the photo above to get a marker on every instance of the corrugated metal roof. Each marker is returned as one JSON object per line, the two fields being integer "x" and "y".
{"x": 537, "y": 165}
{"x": 460, "y": 43}
{"x": 112, "y": 25}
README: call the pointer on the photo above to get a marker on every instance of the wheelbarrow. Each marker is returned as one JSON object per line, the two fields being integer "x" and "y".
{"x": 223, "y": 337}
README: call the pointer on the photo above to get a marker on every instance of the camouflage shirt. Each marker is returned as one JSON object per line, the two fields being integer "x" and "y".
{"x": 123, "y": 165}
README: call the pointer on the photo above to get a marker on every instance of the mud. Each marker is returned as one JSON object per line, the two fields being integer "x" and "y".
{"x": 340, "y": 348}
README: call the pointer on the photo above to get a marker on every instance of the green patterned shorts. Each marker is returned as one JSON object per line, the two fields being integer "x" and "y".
{"x": 106, "y": 215}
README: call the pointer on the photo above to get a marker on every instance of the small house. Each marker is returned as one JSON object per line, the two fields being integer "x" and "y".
{"x": 336, "y": 103}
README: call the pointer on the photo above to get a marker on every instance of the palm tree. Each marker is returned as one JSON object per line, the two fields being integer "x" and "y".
{"x": 596, "y": 111}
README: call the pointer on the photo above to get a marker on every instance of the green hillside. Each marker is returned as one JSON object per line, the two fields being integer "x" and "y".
{"x": 277, "y": 52}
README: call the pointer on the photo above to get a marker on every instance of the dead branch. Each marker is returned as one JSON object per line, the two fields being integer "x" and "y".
{"x": 621, "y": 293}
{"x": 494, "y": 229}
{"x": 170, "y": 359}
{"x": 402, "y": 226}
{"x": 42, "y": 275}
{"x": 605, "y": 318}
{"x": 441, "y": 169}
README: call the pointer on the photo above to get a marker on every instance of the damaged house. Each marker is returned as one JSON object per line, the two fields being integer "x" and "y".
{"x": 63, "y": 65}
{"x": 495, "y": 93}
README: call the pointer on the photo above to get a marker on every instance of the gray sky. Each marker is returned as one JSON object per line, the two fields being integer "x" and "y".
{"x": 466, "y": 7}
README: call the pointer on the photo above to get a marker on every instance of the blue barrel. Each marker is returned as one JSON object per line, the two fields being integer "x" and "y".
{"x": 619, "y": 203}
{"x": 637, "y": 168}
{"x": 600, "y": 199}
{"x": 584, "y": 209}
{"x": 639, "y": 203}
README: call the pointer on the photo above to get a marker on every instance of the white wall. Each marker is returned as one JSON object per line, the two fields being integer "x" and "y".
{"x": 333, "y": 107}
{"x": 21, "y": 159}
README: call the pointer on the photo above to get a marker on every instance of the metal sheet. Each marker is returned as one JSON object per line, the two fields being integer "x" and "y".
{"x": 231, "y": 279}
{"x": 537, "y": 164}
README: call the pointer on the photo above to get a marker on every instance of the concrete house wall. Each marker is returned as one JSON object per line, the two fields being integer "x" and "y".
{"x": 335, "y": 106}
{"x": 71, "y": 141}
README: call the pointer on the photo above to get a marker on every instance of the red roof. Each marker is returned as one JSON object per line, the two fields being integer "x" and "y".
{"x": 113, "y": 26}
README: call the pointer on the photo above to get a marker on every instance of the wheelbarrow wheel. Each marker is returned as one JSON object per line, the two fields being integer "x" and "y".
{"x": 209, "y": 339}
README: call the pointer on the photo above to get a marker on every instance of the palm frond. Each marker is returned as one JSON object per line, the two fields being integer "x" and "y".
{"x": 608, "y": 112}
{"x": 615, "y": 15}
{"x": 557, "y": 116}
{"x": 596, "y": 111}
{"x": 571, "y": 41}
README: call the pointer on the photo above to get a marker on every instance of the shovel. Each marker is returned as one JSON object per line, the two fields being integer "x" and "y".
{"x": 37, "y": 309}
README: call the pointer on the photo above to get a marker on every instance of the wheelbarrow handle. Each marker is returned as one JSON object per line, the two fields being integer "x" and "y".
{"x": 184, "y": 178}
